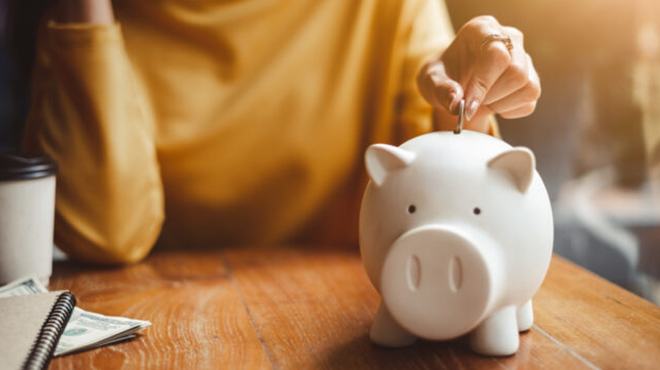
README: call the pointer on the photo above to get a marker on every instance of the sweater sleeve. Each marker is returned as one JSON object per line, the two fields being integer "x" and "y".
{"x": 88, "y": 114}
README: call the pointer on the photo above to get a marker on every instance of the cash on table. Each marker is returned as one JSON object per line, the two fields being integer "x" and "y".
{"x": 85, "y": 330}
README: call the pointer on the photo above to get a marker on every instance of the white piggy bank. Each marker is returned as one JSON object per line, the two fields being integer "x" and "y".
{"x": 456, "y": 234}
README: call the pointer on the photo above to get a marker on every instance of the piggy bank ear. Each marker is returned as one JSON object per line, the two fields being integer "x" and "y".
{"x": 518, "y": 163}
{"x": 383, "y": 159}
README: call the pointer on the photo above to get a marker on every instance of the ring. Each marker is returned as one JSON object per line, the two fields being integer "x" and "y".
{"x": 498, "y": 37}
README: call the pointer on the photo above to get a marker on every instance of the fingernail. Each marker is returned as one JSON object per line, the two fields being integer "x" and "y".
{"x": 471, "y": 108}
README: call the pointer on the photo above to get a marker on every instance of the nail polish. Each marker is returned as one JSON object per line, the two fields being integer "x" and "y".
{"x": 471, "y": 108}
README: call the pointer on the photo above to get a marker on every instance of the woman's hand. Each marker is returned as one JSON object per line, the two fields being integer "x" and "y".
{"x": 491, "y": 77}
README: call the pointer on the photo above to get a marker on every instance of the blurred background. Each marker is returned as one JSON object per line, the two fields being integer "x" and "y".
{"x": 596, "y": 131}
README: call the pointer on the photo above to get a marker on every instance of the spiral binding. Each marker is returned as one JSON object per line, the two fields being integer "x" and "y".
{"x": 44, "y": 346}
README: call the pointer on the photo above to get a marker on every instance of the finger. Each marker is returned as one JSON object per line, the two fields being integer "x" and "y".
{"x": 519, "y": 112}
{"x": 480, "y": 121}
{"x": 492, "y": 60}
{"x": 488, "y": 69}
{"x": 530, "y": 92}
{"x": 438, "y": 88}
{"x": 516, "y": 75}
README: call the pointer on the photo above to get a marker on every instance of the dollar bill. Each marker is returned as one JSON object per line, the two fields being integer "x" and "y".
{"x": 28, "y": 285}
{"x": 85, "y": 330}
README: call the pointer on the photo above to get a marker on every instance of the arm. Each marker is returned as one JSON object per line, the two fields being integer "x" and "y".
{"x": 428, "y": 31}
{"x": 88, "y": 114}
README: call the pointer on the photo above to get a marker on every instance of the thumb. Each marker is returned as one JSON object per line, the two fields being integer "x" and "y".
{"x": 438, "y": 88}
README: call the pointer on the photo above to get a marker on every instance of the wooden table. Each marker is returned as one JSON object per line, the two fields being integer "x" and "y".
{"x": 307, "y": 308}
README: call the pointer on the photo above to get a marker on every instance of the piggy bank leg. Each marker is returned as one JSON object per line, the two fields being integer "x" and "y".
{"x": 525, "y": 316}
{"x": 497, "y": 335}
{"x": 387, "y": 332}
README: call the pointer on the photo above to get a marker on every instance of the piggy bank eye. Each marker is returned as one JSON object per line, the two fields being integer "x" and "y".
{"x": 476, "y": 211}
{"x": 412, "y": 209}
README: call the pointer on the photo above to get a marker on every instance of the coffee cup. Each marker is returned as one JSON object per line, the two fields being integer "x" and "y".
{"x": 27, "y": 210}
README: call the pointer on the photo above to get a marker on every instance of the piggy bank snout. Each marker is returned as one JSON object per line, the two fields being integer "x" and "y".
{"x": 437, "y": 282}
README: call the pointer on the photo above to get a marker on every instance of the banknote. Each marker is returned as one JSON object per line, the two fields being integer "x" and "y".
{"x": 28, "y": 285}
{"x": 85, "y": 330}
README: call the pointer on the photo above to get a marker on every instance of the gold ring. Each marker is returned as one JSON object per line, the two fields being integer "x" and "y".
{"x": 498, "y": 37}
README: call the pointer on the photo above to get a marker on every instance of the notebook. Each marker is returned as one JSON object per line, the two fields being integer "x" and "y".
{"x": 30, "y": 326}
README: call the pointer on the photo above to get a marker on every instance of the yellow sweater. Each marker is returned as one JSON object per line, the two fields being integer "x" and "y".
{"x": 211, "y": 123}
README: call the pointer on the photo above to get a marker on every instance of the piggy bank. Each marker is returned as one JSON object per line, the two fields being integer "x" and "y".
{"x": 456, "y": 235}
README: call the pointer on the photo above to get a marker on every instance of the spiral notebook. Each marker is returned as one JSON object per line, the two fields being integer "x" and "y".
{"x": 30, "y": 327}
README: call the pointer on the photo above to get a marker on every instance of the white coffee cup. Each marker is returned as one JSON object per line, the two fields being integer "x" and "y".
{"x": 27, "y": 210}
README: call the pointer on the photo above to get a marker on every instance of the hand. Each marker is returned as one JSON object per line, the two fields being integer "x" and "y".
{"x": 490, "y": 77}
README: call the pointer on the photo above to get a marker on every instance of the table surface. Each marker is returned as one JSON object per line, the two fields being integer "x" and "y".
{"x": 308, "y": 308}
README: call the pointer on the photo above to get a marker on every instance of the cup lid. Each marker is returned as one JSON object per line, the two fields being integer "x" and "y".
{"x": 17, "y": 167}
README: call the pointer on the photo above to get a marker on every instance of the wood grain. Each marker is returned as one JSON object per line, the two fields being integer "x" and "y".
{"x": 607, "y": 325}
{"x": 199, "y": 321}
{"x": 310, "y": 308}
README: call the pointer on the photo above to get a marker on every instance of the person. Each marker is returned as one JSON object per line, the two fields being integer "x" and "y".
{"x": 213, "y": 123}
